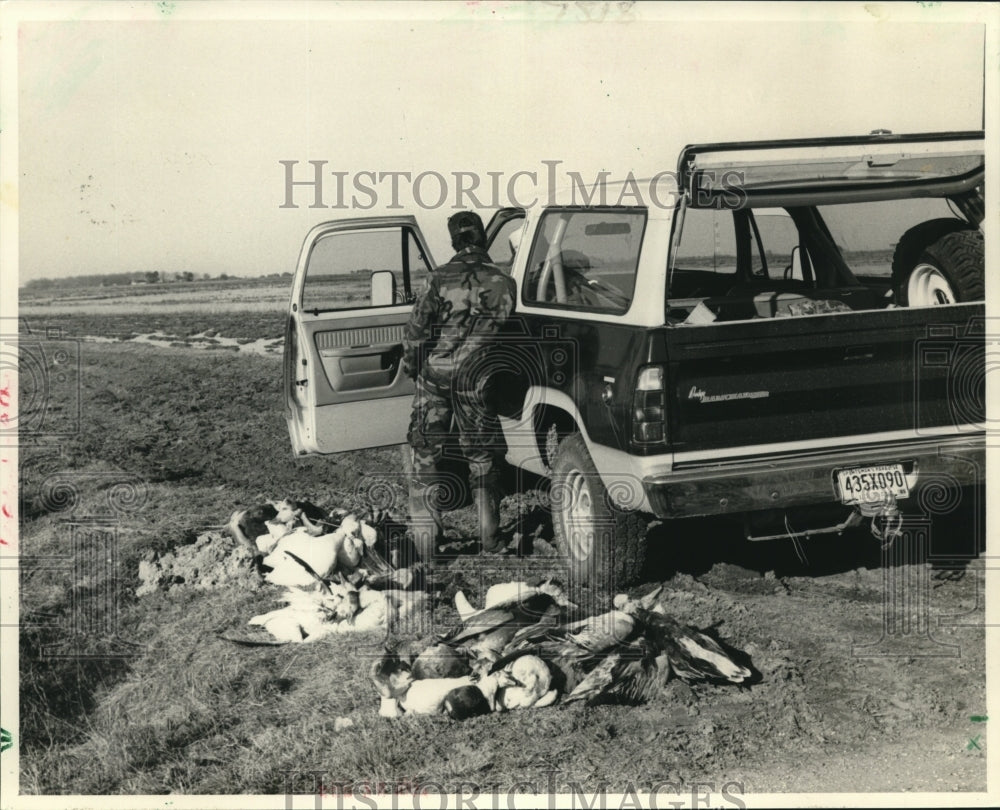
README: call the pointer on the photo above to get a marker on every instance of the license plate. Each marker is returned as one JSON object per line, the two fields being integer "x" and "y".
{"x": 872, "y": 484}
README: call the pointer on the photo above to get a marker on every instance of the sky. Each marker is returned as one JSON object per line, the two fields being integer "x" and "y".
{"x": 152, "y": 140}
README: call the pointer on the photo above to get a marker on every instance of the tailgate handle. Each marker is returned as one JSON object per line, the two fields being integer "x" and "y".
{"x": 859, "y": 353}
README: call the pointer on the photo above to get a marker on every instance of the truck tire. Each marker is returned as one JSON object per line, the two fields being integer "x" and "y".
{"x": 939, "y": 262}
{"x": 605, "y": 546}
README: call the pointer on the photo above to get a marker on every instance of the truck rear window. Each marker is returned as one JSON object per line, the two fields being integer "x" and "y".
{"x": 585, "y": 259}
{"x": 767, "y": 262}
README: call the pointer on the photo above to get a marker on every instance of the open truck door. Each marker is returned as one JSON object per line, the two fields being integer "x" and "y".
{"x": 354, "y": 288}
{"x": 353, "y": 291}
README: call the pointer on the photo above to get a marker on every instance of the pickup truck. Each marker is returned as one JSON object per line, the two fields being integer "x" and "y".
{"x": 789, "y": 328}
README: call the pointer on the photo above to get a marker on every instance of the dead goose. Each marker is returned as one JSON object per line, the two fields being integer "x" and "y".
{"x": 509, "y": 593}
{"x": 631, "y": 674}
{"x": 246, "y": 525}
{"x": 485, "y": 633}
{"x": 428, "y": 696}
{"x": 479, "y": 697}
{"x": 309, "y": 615}
{"x": 693, "y": 655}
{"x": 575, "y": 648}
{"x": 465, "y": 702}
{"x": 532, "y": 684}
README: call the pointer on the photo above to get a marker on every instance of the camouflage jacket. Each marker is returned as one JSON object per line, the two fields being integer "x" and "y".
{"x": 459, "y": 314}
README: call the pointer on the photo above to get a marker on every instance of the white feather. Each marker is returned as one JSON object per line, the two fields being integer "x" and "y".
{"x": 319, "y": 552}
{"x": 534, "y": 679}
{"x": 368, "y": 534}
{"x": 507, "y": 592}
{"x": 427, "y": 696}
{"x": 266, "y": 543}
{"x": 389, "y": 707}
{"x": 464, "y": 607}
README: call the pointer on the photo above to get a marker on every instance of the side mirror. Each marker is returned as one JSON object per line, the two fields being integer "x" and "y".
{"x": 383, "y": 292}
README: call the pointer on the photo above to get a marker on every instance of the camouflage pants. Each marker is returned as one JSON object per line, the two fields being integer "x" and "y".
{"x": 431, "y": 430}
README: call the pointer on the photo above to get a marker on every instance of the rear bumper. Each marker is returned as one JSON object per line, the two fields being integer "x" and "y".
{"x": 806, "y": 479}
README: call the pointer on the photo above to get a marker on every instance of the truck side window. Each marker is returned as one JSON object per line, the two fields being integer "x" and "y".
{"x": 706, "y": 255}
{"x": 340, "y": 267}
{"x": 585, "y": 259}
{"x": 780, "y": 239}
{"x": 500, "y": 248}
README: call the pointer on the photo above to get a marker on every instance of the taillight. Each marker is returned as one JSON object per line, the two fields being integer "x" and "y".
{"x": 648, "y": 405}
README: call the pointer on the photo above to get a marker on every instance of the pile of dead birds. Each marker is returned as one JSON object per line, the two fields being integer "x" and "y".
{"x": 334, "y": 569}
{"x": 528, "y": 647}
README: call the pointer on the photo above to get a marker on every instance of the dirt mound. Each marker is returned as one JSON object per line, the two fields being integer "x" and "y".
{"x": 214, "y": 560}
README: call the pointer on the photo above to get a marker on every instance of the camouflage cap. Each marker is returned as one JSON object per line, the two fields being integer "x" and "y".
{"x": 467, "y": 228}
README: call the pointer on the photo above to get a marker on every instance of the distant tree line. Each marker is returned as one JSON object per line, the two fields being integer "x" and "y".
{"x": 134, "y": 277}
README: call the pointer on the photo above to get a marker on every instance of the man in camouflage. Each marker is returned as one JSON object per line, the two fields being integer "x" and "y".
{"x": 447, "y": 344}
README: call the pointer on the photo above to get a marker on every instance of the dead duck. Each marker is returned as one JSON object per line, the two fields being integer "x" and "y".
{"x": 441, "y": 661}
{"x": 693, "y": 655}
{"x": 400, "y": 692}
{"x": 635, "y": 671}
{"x": 573, "y": 649}
{"x": 477, "y": 698}
{"x": 485, "y": 633}
{"x": 632, "y": 674}
{"x": 428, "y": 696}
{"x": 391, "y": 677}
{"x": 532, "y": 686}
{"x": 595, "y": 634}
{"x": 465, "y": 702}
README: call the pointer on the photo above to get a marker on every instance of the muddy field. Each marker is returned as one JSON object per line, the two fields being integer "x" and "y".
{"x": 870, "y": 675}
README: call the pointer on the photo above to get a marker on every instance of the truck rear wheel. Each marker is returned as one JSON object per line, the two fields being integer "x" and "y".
{"x": 605, "y": 546}
{"x": 939, "y": 265}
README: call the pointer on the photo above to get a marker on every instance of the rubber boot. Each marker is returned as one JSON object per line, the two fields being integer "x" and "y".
{"x": 488, "y": 507}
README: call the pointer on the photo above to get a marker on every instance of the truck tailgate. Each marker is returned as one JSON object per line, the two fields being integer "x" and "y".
{"x": 824, "y": 377}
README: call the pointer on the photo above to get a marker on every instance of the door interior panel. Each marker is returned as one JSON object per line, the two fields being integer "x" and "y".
{"x": 368, "y": 367}
{"x": 355, "y": 359}
{"x": 358, "y": 361}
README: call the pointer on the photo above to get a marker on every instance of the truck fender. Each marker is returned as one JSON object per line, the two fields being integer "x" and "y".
{"x": 619, "y": 471}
